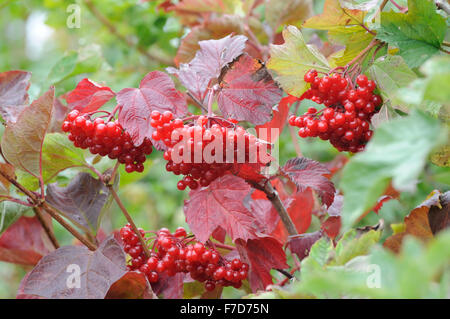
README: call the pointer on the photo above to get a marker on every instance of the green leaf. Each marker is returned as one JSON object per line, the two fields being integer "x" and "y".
{"x": 397, "y": 151}
{"x": 58, "y": 154}
{"x": 9, "y": 213}
{"x": 63, "y": 68}
{"x": 357, "y": 246}
{"x": 391, "y": 73}
{"x": 418, "y": 34}
{"x": 287, "y": 12}
{"x": 292, "y": 59}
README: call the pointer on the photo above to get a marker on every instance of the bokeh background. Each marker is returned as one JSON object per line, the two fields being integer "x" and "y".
{"x": 34, "y": 36}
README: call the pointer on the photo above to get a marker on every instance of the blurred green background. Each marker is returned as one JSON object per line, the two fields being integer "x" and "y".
{"x": 34, "y": 36}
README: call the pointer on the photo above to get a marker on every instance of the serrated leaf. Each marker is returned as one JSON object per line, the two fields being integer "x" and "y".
{"x": 397, "y": 151}
{"x": 247, "y": 91}
{"x": 220, "y": 205}
{"x": 391, "y": 73}
{"x": 262, "y": 254}
{"x": 88, "y": 96}
{"x": 13, "y": 93}
{"x": 22, "y": 140}
{"x": 98, "y": 271}
{"x": 9, "y": 213}
{"x": 293, "y": 59}
{"x": 63, "y": 68}
{"x": 301, "y": 244}
{"x": 418, "y": 34}
{"x": 156, "y": 92}
{"x": 357, "y": 246}
{"x": 81, "y": 201}
{"x": 306, "y": 173}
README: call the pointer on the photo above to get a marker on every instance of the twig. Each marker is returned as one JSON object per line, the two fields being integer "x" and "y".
{"x": 48, "y": 231}
{"x": 197, "y": 101}
{"x": 285, "y": 273}
{"x": 273, "y": 196}
{"x": 129, "y": 219}
{"x": 150, "y": 56}
{"x": 15, "y": 200}
{"x": 372, "y": 44}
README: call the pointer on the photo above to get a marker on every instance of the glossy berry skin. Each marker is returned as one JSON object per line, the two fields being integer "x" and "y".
{"x": 106, "y": 139}
{"x": 173, "y": 253}
{"x": 345, "y": 119}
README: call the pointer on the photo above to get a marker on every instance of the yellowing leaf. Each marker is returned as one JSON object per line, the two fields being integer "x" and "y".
{"x": 287, "y": 12}
{"x": 292, "y": 59}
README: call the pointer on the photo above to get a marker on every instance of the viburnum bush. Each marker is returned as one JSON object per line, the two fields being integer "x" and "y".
{"x": 253, "y": 91}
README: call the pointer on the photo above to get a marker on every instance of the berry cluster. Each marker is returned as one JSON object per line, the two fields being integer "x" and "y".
{"x": 106, "y": 139}
{"x": 195, "y": 137}
{"x": 175, "y": 252}
{"x": 345, "y": 120}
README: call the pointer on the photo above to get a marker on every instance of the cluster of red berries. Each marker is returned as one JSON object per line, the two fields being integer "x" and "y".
{"x": 190, "y": 140}
{"x": 345, "y": 120}
{"x": 106, "y": 139}
{"x": 175, "y": 252}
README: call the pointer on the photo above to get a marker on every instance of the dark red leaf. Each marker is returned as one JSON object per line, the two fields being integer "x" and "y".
{"x": 98, "y": 271}
{"x": 265, "y": 214}
{"x": 82, "y": 200}
{"x": 208, "y": 63}
{"x": 156, "y": 92}
{"x": 306, "y": 173}
{"x": 133, "y": 285}
{"x": 439, "y": 217}
{"x": 270, "y": 131}
{"x": 13, "y": 93}
{"x": 24, "y": 242}
{"x": 248, "y": 91}
{"x": 332, "y": 226}
{"x": 169, "y": 287}
{"x": 88, "y": 96}
{"x": 262, "y": 254}
{"x": 220, "y": 204}
{"x": 301, "y": 244}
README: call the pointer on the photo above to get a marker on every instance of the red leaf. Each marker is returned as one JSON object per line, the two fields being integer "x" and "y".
{"x": 208, "y": 63}
{"x": 98, "y": 271}
{"x": 248, "y": 91}
{"x": 88, "y": 96}
{"x": 13, "y": 93}
{"x": 332, "y": 226}
{"x": 169, "y": 287}
{"x": 156, "y": 92}
{"x": 301, "y": 244}
{"x": 220, "y": 204}
{"x": 306, "y": 173}
{"x": 380, "y": 202}
{"x": 262, "y": 254}
{"x": 133, "y": 285}
{"x": 336, "y": 208}
{"x": 24, "y": 242}
{"x": 272, "y": 130}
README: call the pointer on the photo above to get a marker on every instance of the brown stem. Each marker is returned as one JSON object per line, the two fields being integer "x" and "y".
{"x": 372, "y": 44}
{"x": 197, "y": 101}
{"x": 272, "y": 195}
{"x": 129, "y": 219}
{"x": 150, "y": 56}
{"x": 48, "y": 231}
{"x": 49, "y": 209}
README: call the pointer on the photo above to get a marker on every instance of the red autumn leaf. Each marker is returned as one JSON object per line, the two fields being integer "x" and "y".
{"x": 301, "y": 244}
{"x": 306, "y": 173}
{"x": 220, "y": 204}
{"x": 98, "y": 271}
{"x": 88, "y": 96}
{"x": 265, "y": 214}
{"x": 262, "y": 254}
{"x": 247, "y": 91}
{"x": 208, "y": 62}
{"x": 24, "y": 242}
{"x": 13, "y": 93}
{"x": 332, "y": 226}
{"x": 270, "y": 131}
{"x": 156, "y": 92}
{"x": 169, "y": 287}
{"x": 380, "y": 202}
{"x": 133, "y": 285}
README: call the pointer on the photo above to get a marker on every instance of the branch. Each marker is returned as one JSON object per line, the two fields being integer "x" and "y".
{"x": 48, "y": 231}
{"x": 272, "y": 195}
{"x": 150, "y": 56}
{"x": 129, "y": 219}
